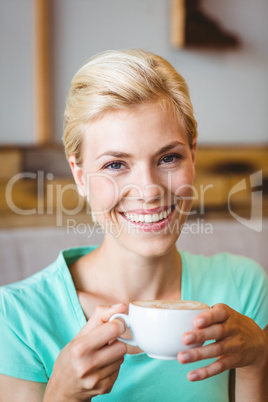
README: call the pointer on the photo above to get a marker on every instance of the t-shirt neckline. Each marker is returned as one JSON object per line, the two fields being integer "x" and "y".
{"x": 69, "y": 256}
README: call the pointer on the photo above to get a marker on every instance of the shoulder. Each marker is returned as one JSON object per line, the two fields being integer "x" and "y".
{"x": 26, "y": 298}
{"x": 44, "y": 306}
{"x": 33, "y": 285}
{"x": 227, "y": 278}
{"x": 37, "y": 299}
{"x": 225, "y": 269}
{"x": 46, "y": 281}
{"x": 223, "y": 263}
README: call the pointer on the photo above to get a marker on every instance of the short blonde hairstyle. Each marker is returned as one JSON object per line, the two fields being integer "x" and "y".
{"x": 120, "y": 79}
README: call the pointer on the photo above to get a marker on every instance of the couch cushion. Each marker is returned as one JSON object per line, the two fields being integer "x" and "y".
{"x": 26, "y": 251}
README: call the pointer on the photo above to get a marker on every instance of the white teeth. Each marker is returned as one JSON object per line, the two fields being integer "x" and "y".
{"x": 141, "y": 218}
{"x": 148, "y": 218}
{"x": 155, "y": 217}
{"x": 136, "y": 218}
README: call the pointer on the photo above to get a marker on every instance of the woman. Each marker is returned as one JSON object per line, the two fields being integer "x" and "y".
{"x": 130, "y": 139}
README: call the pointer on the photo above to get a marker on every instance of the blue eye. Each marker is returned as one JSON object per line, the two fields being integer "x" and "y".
{"x": 114, "y": 166}
{"x": 170, "y": 158}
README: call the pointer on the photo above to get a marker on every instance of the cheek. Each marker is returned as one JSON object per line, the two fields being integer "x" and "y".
{"x": 182, "y": 184}
{"x": 103, "y": 194}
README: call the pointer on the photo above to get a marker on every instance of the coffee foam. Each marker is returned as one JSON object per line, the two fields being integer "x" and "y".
{"x": 172, "y": 304}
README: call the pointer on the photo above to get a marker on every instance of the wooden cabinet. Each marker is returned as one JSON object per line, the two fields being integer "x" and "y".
{"x": 42, "y": 192}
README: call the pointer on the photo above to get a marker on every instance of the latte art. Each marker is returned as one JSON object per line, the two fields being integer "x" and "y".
{"x": 172, "y": 304}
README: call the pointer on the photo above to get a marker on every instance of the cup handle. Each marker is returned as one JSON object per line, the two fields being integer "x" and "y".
{"x": 125, "y": 318}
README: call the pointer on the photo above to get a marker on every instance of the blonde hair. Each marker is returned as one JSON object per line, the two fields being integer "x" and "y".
{"x": 121, "y": 79}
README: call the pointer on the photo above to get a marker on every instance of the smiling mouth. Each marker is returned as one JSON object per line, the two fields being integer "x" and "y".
{"x": 148, "y": 218}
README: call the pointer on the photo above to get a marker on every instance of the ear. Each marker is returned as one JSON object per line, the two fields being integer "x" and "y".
{"x": 78, "y": 175}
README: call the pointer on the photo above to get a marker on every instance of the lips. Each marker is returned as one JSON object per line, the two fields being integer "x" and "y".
{"x": 146, "y": 218}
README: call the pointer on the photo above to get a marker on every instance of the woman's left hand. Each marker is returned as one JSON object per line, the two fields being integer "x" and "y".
{"x": 240, "y": 343}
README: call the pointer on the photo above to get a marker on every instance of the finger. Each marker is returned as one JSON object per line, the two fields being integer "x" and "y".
{"x": 213, "y": 350}
{"x": 109, "y": 354}
{"x": 117, "y": 308}
{"x": 217, "y": 313}
{"x": 108, "y": 332}
{"x": 217, "y": 367}
{"x": 96, "y": 339}
{"x": 100, "y": 316}
{"x": 102, "y": 380}
{"x": 214, "y": 332}
{"x": 107, "y": 383}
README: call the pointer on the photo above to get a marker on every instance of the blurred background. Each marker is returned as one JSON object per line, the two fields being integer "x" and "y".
{"x": 220, "y": 47}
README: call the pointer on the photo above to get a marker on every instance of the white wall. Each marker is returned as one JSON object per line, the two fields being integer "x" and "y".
{"x": 229, "y": 88}
{"x": 16, "y": 71}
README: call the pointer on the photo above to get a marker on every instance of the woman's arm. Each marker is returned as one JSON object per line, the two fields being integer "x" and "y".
{"x": 90, "y": 363}
{"x": 87, "y": 366}
{"x": 252, "y": 382}
{"x": 14, "y": 389}
{"x": 240, "y": 344}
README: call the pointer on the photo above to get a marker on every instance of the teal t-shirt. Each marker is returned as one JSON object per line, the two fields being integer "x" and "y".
{"x": 41, "y": 314}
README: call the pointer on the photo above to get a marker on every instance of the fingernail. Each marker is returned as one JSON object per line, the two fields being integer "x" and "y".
{"x": 189, "y": 338}
{"x": 185, "y": 357}
{"x": 193, "y": 376}
{"x": 116, "y": 305}
{"x": 200, "y": 322}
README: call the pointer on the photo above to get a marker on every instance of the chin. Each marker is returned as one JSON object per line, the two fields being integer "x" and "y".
{"x": 149, "y": 243}
{"x": 152, "y": 248}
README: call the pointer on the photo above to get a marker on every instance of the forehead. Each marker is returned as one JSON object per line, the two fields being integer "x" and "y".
{"x": 145, "y": 127}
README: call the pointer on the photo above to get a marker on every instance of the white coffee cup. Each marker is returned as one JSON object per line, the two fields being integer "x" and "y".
{"x": 157, "y": 326}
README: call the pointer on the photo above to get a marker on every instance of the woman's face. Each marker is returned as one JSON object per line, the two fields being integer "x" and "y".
{"x": 137, "y": 173}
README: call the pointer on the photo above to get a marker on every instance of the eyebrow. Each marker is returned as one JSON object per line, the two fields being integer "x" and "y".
{"x": 169, "y": 147}
{"x": 162, "y": 150}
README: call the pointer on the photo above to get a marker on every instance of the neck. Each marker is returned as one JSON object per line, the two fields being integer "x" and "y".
{"x": 133, "y": 277}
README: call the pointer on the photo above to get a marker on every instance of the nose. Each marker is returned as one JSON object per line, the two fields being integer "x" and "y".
{"x": 150, "y": 185}
{"x": 152, "y": 192}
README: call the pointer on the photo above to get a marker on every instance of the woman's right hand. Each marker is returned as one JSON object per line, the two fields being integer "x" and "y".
{"x": 90, "y": 363}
